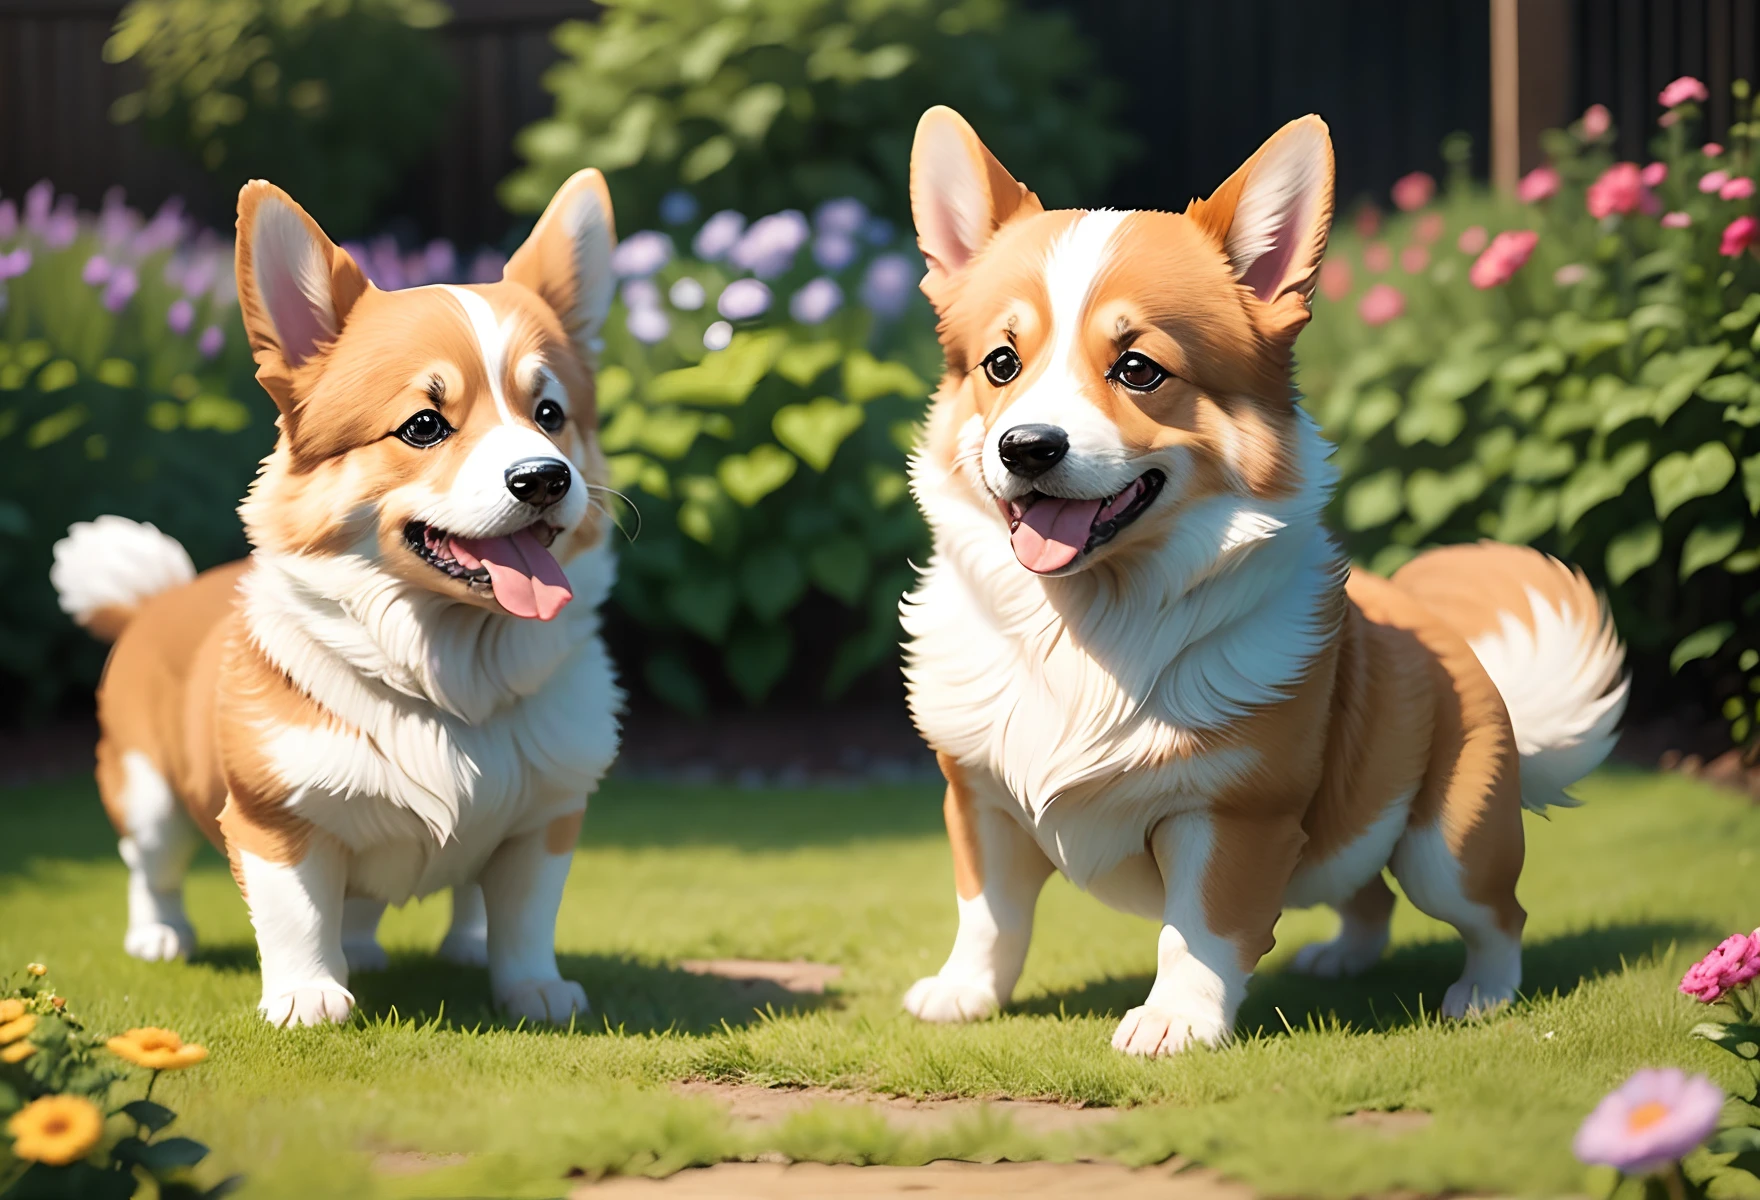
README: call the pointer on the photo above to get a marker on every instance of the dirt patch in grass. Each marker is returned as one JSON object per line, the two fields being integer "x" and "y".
{"x": 763, "y": 1105}
{"x": 801, "y": 978}
{"x": 1394, "y": 1122}
{"x": 1023, "y": 1181}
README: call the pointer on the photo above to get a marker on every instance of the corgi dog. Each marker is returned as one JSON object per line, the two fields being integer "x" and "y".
{"x": 403, "y": 688}
{"x": 1139, "y": 656}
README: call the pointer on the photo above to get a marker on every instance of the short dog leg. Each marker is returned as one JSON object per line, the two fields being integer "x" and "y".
{"x": 998, "y": 871}
{"x": 161, "y": 841}
{"x": 1225, "y": 880}
{"x": 467, "y": 938}
{"x": 1362, "y": 935}
{"x": 297, "y": 910}
{"x": 360, "y": 934}
{"x": 522, "y": 890}
{"x": 1477, "y": 897}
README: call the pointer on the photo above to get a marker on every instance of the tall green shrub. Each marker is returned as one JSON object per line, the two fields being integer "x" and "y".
{"x": 761, "y": 104}
{"x": 332, "y": 99}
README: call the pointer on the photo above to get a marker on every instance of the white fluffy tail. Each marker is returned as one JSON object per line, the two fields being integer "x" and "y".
{"x": 105, "y": 568}
{"x": 1549, "y": 645}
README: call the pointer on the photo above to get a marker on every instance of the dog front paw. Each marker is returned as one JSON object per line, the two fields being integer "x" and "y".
{"x": 1152, "y": 1031}
{"x": 364, "y": 954}
{"x": 466, "y": 948}
{"x": 1341, "y": 958}
{"x": 319, "y": 1004}
{"x": 945, "y": 999}
{"x": 1471, "y": 998}
{"x": 159, "y": 942}
{"x": 553, "y": 1001}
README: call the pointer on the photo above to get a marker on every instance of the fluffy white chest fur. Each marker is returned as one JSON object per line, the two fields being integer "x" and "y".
{"x": 454, "y": 729}
{"x": 1086, "y": 701}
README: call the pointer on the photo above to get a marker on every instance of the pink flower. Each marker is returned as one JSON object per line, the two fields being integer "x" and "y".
{"x": 1669, "y": 118}
{"x": 1472, "y": 239}
{"x": 1681, "y": 91}
{"x": 1414, "y": 259}
{"x": 1676, "y": 220}
{"x": 1596, "y": 121}
{"x": 1377, "y": 258}
{"x": 1503, "y": 258}
{"x": 1570, "y": 274}
{"x": 1414, "y": 191}
{"x": 1711, "y": 149}
{"x": 1368, "y": 220}
{"x": 1619, "y": 190}
{"x": 1653, "y": 174}
{"x": 1734, "y": 962}
{"x": 1381, "y": 304}
{"x": 1537, "y": 185}
{"x": 1428, "y": 228}
{"x": 1649, "y": 1121}
{"x": 1739, "y": 188}
{"x": 1335, "y": 279}
{"x": 1738, "y": 235}
{"x": 1713, "y": 181}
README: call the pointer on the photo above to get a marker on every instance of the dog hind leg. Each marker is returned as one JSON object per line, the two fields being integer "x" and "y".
{"x": 1362, "y": 935}
{"x": 467, "y": 938}
{"x": 158, "y": 844}
{"x": 360, "y": 934}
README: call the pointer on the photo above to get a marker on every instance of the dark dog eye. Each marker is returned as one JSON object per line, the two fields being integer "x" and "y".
{"x": 1137, "y": 371}
{"x": 550, "y": 417}
{"x": 1002, "y": 365}
{"x": 426, "y": 428}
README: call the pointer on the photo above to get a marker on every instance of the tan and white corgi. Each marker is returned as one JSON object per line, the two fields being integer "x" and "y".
{"x": 1138, "y": 654}
{"x": 403, "y": 688}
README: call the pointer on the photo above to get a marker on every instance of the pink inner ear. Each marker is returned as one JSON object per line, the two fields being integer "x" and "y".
{"x": 298, "y": 323}
{"x": 1270, "y": 271}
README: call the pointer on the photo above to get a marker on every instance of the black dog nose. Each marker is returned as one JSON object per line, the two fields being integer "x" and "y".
{"x": 539, "y": 481}
{"x": 1032, "y": 450}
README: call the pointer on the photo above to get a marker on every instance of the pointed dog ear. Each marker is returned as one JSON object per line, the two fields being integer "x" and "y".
{"x": 1271, "y": 217}
{"x": 960, "y": 195}
{"x": 567, "y": 258}
{"x": 295, "y": 286}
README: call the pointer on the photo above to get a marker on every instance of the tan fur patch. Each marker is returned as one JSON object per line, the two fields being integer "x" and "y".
{"x": 563, "y": 834}
{"x": 962, "y": 831}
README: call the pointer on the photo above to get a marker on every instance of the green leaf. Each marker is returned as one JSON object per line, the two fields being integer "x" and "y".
{"x": 1741, "y": 1040}
{"x": 707, "y": 158}
{"x": 703, "y": 605}
{"x": 866, "y": 378}
{"x": 840, "y": 566}
{"x": 724, "y": 377}
{"x": 804, "y": 362}
{"x": 1538, "y": 460}
{"x": 1598, "y": 481}
{"x": 1742, "y": 1138}
{"x": 1691, "y": 367}
{"x": 154, "y": 1116}
{"x": 168, "y": 1154}
{"x": 53, "y": 428}
{"x": 1527, "y": 513}
{"x": 1372, "y": 412}
{"x": 1751, "y": 482}
{"x": 815, "y": 430}
{"x": 771, "y": 579}
{"x": 1708, "y": 544}
{"x": 1519, "y": 370}
{"x": 1373, "y": 501}
{"x": 1680, "y": 477}
{"x": 1742, "y": 317}
{"x": 1631, "y": 550}
{"x": 57, "y": 375}
{"x": 1702, "y": 644}
{"x": 667, "y": 432}
{"x": 751, "y": 476}
{"x": 1727, "y": 389}
{"x": 756, "y": 658}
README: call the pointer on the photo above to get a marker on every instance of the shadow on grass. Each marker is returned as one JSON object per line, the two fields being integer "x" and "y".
{"x": 626, "y": 994}
{"x": 1409, "y": 981}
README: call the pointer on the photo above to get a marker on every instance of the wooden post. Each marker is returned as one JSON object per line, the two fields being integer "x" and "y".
{"x": 1530, "y": 81}
{"x": 1506, "y": 95}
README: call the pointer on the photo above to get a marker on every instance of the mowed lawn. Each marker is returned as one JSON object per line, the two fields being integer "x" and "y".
{"x": 1622, "y": 893}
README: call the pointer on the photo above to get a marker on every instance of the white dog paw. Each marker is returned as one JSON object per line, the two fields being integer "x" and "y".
{"x": 551, "y": 1000}
{"x": 364, "y": 954}
{"x": 1469, "y": 997}
{"x": 1339, "y": 958}
{"x": 320, "y": 1004}
{"x": 159, "y": 943}
{"x": 943, "y": 999}
{"x": 469, "y": 948}
{"x": 1151, "y": 1031}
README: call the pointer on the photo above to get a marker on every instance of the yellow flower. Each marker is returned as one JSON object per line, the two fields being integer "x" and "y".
{"x": 56, "y": 1130}
{"x": 156, "y": 1049}
{"x": 17, "y": 1052}
{"x": 15, "y": 1029}
{"x": 11, "y": 1010}
{"x": 36, "y": 968}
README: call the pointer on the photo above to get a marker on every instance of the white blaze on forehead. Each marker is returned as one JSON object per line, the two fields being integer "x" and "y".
{"x": 1072, "y": 265}
{"x": 492, "y": 338}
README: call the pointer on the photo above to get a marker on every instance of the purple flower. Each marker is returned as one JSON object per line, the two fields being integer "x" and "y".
{"x": 718, "y": 336}
{"x": 8, "y": 220}
{"x": 816, "y": 301}
{"x": 211, "y": 341}
{"x": 15, "y": 263}
{"x": 37, "y": 203}
{"x": 163, "y": 231}
{"x": 678, "y": 207}
{"x": 878, "y": 231}
{"x": 487, "y": 267}
{"x": 647, "y": 324}
{"x": 887, "y": 287}
{"x": 96, "y": 271}
{"x": 719, "y": 234}
{"x": 384, "y": 265}
{"x": 63, "y": 225}
{"x": 743, "y": 299}
{"x": 845, "y": 216}
{"x": 641, "y": 293}
{"x": 770, "y": 245}
{"x": 440, "y": 260}
{"x": 1649, "y": 1121}
{"x": 834, "y": 251}
{"x": 116, "y": 221}
{"x": 199, "y": 274}
{"x": 687, "y": 295}
{"x": 124, "y": 283}
{"x": 641, "y": 254}
{"x": 180, "y": 316}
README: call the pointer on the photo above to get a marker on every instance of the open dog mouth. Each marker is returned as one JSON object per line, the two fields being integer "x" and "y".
{"x": 517, "y": 568}
{"x": 1051, "y": 532}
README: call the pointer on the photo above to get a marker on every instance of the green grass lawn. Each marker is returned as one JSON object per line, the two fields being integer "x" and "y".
{"x": 1623, "y": 894}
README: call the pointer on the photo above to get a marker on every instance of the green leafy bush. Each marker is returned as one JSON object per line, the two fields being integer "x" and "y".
{"x": 766, "y": 103}
{"x": 1587, "y": 382}
{"x": 332, "y": 99}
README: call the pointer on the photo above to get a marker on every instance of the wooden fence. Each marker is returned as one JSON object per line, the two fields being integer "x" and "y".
{"x": 1205, "y": 81}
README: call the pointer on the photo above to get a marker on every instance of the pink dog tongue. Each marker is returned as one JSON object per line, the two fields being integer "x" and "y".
{"x": 527, "y": 579}
{"x": 1053, "y": 532}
